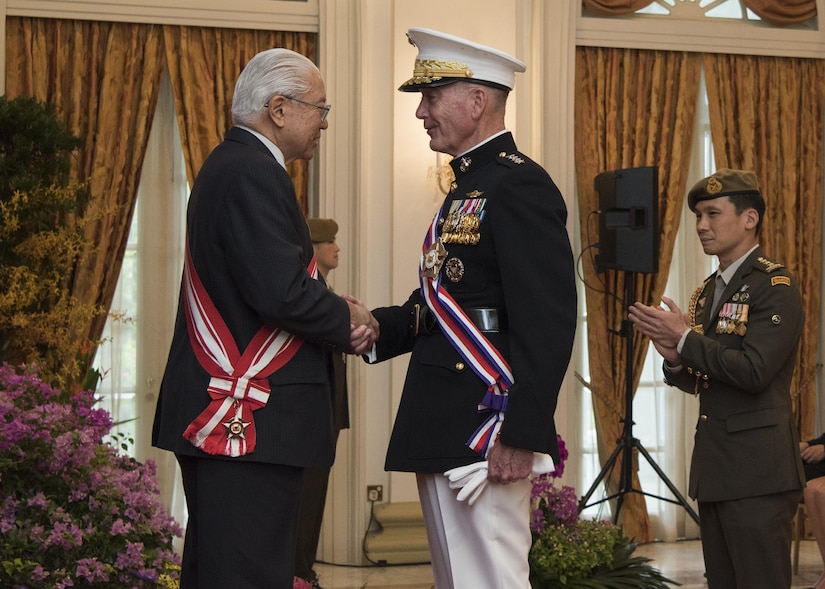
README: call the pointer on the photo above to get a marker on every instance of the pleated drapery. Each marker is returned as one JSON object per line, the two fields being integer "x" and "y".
{"x": 104, "y": 79}
{"x": 633, "y": 108}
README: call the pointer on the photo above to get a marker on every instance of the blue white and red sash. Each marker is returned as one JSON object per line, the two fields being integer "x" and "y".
{"x": 485, "y": 360}
{"x": 239, "y": 382}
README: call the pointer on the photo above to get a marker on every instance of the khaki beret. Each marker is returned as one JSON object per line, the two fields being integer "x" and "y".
{"x": 322, "y": 229}
{"x": 443, "y": 59}
{"x": 725, "y": 182}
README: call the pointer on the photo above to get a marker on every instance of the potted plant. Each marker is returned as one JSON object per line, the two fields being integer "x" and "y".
{"x": 573, "y": 553}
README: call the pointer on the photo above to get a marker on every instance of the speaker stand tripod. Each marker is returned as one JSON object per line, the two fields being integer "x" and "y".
{"x": 627, "y": 442}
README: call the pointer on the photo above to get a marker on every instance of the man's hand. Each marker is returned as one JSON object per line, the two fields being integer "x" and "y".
{"x": 664, "y": 326}
{"x": 506, "y": 464}
{"x": 812, "y": 454}
{"x": 365, "y": 328}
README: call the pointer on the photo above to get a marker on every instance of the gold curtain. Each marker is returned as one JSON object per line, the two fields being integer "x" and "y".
{"x": 633, "y": 108}
{"x": 104, "y": 79}
{"x": 204, "y": 64}
{"x": 766, "y": 115}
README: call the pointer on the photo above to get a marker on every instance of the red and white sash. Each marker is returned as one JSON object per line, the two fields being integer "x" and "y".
{"x": 485, "y": 360}
{"x": 239, "y": 382}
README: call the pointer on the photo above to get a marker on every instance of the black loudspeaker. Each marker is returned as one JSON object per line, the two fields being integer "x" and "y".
{"x": 628, "y": 220}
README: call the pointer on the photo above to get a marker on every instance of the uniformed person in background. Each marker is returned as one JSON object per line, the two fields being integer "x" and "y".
{"x": 491, "y": 328}
{"x": 736, "y": 348}
{"x": 323, "y": 234}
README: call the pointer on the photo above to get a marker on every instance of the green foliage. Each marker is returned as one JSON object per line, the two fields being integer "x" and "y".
{"x": 34, "y": 146}
{"x": 590, "y": 555}
{"x": 41, "y": 242}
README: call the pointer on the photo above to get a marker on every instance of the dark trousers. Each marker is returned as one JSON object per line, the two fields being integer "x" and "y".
{"x": 310, "y": 516}
{"x": 747, "y": 542}
{"x": 241, "y": 527}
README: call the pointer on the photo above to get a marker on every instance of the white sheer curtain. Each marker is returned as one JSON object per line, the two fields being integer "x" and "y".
{"x": 664, "y": 417}
{"x": 139, "y": 330}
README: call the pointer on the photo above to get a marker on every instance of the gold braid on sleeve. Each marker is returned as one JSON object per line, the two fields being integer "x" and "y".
{"x": 693, "y": 311}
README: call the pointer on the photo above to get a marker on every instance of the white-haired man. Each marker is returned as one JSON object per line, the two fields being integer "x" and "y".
{"x": 253, "y": 320}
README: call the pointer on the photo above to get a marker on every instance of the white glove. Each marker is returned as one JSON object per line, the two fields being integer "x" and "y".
{"x": 472, "y": 478}
{"x": 542, "y": 463}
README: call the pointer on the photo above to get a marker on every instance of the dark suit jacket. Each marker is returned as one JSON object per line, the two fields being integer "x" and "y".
{"x": 522, "y": 264}
{"x": 250, "y": 246}
{"x": 746, "y": 440}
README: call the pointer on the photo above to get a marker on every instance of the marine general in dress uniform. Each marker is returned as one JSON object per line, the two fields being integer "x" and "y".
{"x": 492, "y": 324}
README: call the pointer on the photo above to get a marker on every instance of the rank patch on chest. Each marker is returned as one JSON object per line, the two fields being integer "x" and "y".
{"x": 463, "y": 223}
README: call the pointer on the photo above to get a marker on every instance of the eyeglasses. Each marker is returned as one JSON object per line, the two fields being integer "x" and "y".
{"x": 324, "y": 109}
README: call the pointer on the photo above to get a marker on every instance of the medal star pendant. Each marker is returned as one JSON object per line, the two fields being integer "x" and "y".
{"x": 236, "y": 428}
{"x": 433, "y": 260}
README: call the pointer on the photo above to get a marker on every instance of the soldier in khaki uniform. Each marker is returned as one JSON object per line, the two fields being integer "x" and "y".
{"x": 735, "y": 348}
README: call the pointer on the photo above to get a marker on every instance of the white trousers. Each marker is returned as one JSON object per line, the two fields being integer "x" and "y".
{"x": 479, "y": 546}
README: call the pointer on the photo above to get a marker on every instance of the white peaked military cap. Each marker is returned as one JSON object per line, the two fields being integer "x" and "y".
{"x": 443, "y": 59}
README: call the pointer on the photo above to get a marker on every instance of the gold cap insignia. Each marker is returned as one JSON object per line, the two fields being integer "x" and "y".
{"x": 714, "y": 186}
{"x": 426, "y": 71}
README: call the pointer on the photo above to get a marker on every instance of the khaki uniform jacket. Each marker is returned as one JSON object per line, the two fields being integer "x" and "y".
{"x": 746, "y": 442}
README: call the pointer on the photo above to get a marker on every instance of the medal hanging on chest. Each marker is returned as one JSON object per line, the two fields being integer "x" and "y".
{"x": 463, "y": 223}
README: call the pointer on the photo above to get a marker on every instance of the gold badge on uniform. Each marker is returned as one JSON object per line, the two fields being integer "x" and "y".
{"x": 454, "y": 269}
{"x": 433, "y": 259}
{"x": 713, "y": 186}
{"x": 463, "y": 223}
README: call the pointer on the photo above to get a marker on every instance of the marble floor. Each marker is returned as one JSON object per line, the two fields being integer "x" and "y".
{"x": 679, "y": 561}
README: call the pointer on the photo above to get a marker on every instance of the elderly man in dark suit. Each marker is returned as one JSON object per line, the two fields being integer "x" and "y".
{"x": 245, "y": 402}
{"x": 491, "y": 328}
{"x": 735, "y": 349}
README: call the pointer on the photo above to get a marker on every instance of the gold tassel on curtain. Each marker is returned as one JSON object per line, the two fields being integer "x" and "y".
{"x": 766, "y": 115}
{"x": 633, "y": 108}
{"x": 204, "y": 64}
{"x": 104, "y": 79}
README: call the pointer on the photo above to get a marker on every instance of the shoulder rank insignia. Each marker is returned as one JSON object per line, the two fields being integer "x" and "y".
{"x": 513, "y": 157}
{"x": 767, "y": 265}
{"x": 780, "y": 280}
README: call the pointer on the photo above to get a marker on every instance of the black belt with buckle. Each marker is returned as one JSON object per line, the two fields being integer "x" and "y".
{"x": 487, "y": 319}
